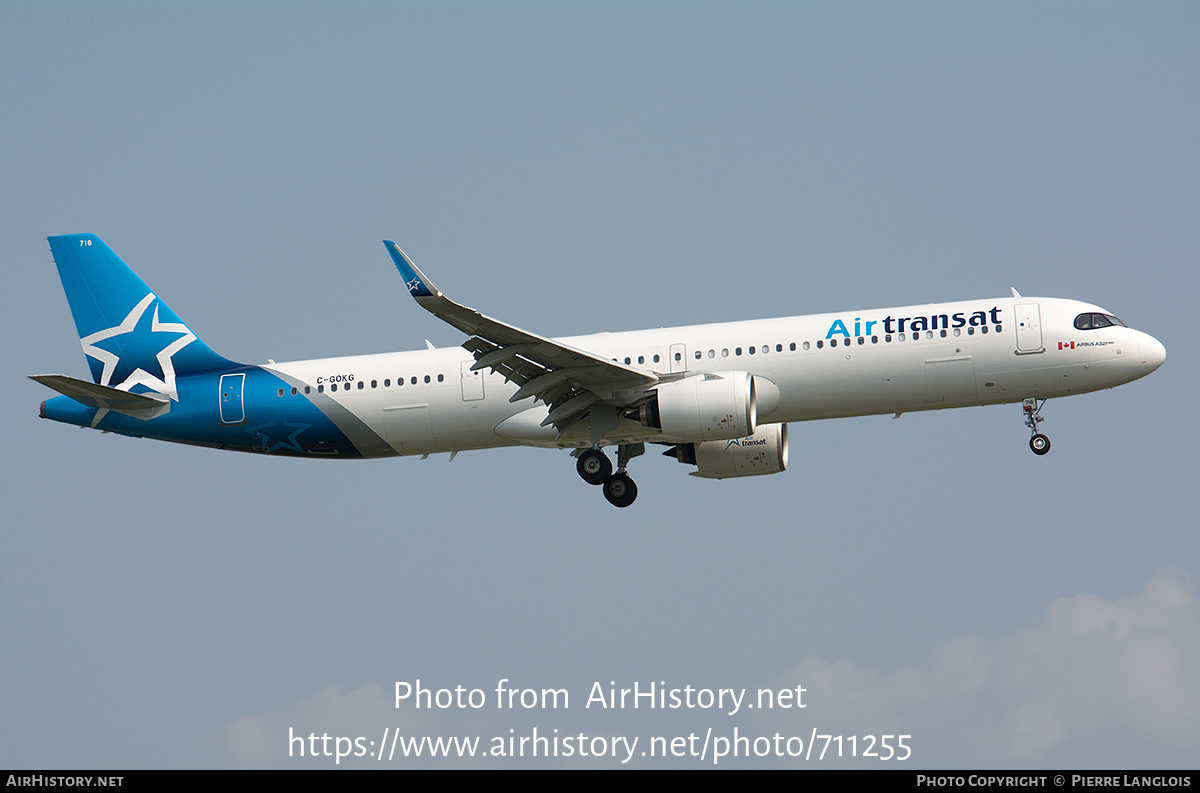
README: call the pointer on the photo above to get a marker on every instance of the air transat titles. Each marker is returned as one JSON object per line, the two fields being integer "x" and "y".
{"x": 892, "y": 324}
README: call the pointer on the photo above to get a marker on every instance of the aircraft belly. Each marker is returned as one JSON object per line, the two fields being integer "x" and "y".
{"x": 950, "y": 380}
{"x": 470, "y": 424}
{"x": 863, "y": 384}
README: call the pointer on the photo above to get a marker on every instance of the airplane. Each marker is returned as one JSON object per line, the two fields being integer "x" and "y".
{"x": 719, "y": 397}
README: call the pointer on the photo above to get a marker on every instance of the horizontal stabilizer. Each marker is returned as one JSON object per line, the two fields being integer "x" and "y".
{"x": 144, "y": 406}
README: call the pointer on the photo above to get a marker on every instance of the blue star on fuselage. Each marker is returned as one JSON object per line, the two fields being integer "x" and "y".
{"x": 278, "y": 434}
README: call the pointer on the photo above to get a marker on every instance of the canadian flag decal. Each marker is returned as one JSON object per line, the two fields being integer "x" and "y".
{"x": 1066, "y": 345}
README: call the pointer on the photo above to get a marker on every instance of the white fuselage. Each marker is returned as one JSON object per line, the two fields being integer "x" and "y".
{"x": 977, "y": 352}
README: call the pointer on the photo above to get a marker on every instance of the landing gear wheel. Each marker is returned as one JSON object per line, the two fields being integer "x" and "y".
{"x": 594, "y": 467}
{"x": 620, "y": 490}
{"x": 1040, "y": 444}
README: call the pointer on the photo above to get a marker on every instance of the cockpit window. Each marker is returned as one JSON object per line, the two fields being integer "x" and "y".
{"x": 1095, "y": 320}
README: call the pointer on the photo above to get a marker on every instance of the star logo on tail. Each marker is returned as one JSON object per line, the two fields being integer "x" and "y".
{"x": 138, "y": 350}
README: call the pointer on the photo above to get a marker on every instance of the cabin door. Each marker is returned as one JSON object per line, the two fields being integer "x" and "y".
{"x": 1029, "y": 328}
{"x": 472, "y": 382}
{"x": 233, "y": 409}
{"x": 678, "y": 358}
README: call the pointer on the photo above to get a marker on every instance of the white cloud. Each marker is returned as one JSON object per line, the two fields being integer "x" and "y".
{"x": 1097, "y": 682}
{"x": 263, "y": 740}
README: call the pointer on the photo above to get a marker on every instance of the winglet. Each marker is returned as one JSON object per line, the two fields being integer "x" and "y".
{"x": 418, "y": 285}
{"x": 1014, "y": 291}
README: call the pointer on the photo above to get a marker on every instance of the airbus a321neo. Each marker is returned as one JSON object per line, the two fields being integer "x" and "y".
{"x": 718, "y": 397}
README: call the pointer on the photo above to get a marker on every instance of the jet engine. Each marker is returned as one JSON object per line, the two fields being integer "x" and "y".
{"x": 764, "y": 452}
{"x": 703, "y": 407}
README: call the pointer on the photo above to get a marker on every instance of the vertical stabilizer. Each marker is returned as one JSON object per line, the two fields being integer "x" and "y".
{"x": 133, "y": 341}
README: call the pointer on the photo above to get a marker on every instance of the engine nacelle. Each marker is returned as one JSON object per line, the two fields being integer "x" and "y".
{"x": 764, "y": 452}
{"x": 704, "y": 407}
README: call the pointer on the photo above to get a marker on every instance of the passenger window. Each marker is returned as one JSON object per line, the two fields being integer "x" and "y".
{"x": 725, "y": 353}
{"x": 426, "y": 378}
{"x": 387, "y": 382}
{"x": 294, "y": 391}
{"x": 320, "y": 389}
{"x": 833, "y": 342}
{"x": 281, "y": 392}
{"x": 820, "y": 344}
{"x": 441, "y": 377}
{"x": 641, "y": 359}
{"x": 413, "y": 381}
{"x": 697, "y": 355}
{"x": 805, "y": 345}
{"x": 794, "y": 346}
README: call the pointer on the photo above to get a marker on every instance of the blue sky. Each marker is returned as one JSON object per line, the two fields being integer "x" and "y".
{"x": 573, "y": 169}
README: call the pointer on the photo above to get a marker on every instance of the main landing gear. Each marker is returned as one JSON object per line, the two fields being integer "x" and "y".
{"x": 595, "y": 468}
{"x": 1039, "y": 443}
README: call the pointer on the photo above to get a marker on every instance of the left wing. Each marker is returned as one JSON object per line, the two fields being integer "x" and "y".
{"x": 569, "y": 380}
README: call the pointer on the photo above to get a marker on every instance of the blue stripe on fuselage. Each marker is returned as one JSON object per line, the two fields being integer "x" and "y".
{"x": 280, "y": 425}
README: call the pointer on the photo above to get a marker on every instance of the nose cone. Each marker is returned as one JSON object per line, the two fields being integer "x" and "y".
{"x": 1153, "y": 353}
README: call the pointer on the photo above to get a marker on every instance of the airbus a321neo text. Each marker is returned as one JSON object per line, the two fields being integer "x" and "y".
{"x": 719, "y": 397}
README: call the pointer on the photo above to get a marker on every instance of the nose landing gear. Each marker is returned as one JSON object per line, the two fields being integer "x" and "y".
{"x": 1039, "y": 443}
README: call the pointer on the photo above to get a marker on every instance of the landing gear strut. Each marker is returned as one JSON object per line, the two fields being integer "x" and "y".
{"x": 1039, "y": 443}
{"x": 595, "y": 468}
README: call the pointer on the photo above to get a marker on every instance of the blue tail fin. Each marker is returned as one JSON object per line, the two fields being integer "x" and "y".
{"x": 132, "y": 340}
